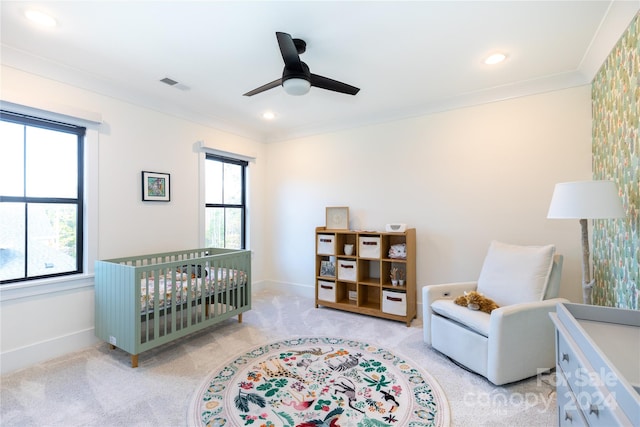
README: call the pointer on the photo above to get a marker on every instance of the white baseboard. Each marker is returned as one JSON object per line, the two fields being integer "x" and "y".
{"x": 288, "y": 288}
{"x": 33, "y": 354}
{"x": 42, "y": 351}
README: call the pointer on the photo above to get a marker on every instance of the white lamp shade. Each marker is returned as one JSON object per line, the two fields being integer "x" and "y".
{"x": 586, "y": 200}
{"x": 296, "y": 86}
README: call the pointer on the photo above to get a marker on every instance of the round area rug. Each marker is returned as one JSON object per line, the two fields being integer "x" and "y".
{"x": 309, "y": 382}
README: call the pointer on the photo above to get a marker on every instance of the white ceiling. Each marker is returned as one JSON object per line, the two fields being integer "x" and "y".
{"x": 408, "y": 58}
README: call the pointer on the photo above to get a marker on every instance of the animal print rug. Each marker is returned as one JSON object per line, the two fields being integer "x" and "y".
{"x": 309, "y": 382}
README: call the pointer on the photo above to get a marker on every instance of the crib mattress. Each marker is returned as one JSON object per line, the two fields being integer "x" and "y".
{"x": 184, "y": 288}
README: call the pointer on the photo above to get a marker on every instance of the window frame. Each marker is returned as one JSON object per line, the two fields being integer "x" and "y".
{"x": 242, "y": 205}
{"x": 79, "y": 201}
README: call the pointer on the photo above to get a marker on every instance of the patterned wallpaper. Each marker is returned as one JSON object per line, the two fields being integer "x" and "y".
{"x": 616, "y": 156}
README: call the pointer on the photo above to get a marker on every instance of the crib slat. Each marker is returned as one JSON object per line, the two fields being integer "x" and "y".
{"x": 174, "y": 301}
{"x": 189, "y": 295}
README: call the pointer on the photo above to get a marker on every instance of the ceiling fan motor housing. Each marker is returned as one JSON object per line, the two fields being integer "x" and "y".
{"x": 304, "y": 73}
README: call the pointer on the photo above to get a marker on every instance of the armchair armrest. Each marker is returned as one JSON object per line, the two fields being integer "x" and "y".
{"x": 521, "y": 336}
{"x": 430, "y": 293}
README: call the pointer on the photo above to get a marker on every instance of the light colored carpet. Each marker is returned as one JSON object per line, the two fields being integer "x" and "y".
{"x": 96, "y": 386}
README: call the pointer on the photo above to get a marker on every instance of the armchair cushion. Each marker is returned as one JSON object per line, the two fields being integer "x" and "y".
{"x": 477, "y": 321}
{"x": 513, "y": 274}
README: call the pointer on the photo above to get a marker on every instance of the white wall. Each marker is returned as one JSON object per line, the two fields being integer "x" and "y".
{"x": 130, "y": 140}
{"x": 461, "y": 178}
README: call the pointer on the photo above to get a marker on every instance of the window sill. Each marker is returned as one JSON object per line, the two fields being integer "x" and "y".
{"x": 33, "y": 288}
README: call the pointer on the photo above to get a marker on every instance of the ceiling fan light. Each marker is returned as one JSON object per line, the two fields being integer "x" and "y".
{"x": 296, "y": 86}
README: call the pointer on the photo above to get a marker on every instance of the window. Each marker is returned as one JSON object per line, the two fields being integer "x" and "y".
{"x": 41, "y": 198}
{"x": 225, "y": 202}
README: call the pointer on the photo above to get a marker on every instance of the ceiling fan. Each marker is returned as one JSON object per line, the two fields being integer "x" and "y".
{"x": 296, "y": 77}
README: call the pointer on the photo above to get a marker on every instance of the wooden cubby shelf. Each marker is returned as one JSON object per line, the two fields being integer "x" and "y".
{"x": 360, "y": 282}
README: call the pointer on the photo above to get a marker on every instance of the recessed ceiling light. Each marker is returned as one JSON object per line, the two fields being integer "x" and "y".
{"x": 268, "y": 115}
{"x": 495, "y": 58}
{"x": 40, "y": 18}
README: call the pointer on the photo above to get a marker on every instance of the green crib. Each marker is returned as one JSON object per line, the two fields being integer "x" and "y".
{"x": 142, "y": 302}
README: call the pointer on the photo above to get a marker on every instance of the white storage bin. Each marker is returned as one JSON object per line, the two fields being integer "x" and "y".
{"x": 326, "y": 291}
{"x": 369, "y": 247}
{"x": 394, "y": 303}
{"x": 326, "y": 244}
{"x": 347, "y": 270}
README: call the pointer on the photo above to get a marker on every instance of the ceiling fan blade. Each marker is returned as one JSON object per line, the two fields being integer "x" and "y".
{"x": 334, "y": 85}
{"x": 262, "y": 88}
{"x": 289, "y": 52}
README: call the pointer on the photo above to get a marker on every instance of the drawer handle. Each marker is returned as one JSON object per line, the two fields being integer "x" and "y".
{"x": 567, "y": 416}
{"x": 326, "y": 287}
{"x": 346, "y": 266}
{"x": 593, "y": 409}
{"x": 325, "y": 240}
{"x": 394, "y": 299}
{"x": 565, "y": 357}
{"x": 370, "y": 243}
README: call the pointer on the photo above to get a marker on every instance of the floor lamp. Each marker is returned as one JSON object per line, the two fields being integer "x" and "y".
{"x": 586, "y": 200}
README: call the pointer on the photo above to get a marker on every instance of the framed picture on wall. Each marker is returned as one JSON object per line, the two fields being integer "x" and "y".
{"x": 156, "y": 187}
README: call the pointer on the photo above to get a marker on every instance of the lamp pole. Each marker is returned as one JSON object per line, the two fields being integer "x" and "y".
{"x": 587, "y": 283}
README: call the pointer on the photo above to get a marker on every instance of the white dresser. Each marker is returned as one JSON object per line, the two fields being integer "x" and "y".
{"x": 597, "y": 365}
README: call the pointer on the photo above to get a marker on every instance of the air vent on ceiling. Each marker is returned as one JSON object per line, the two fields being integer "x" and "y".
{"x": 169, "y": 81}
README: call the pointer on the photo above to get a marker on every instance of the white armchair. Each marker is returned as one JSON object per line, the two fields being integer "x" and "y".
{"x": 515, "y": 341}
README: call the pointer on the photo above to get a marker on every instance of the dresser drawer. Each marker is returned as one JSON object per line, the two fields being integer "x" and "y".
{"x": 599, "y": 405}
{"x": 569, "y": 415}
{"x": 587, "y": 386}
{"x": 569, "y": 363}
